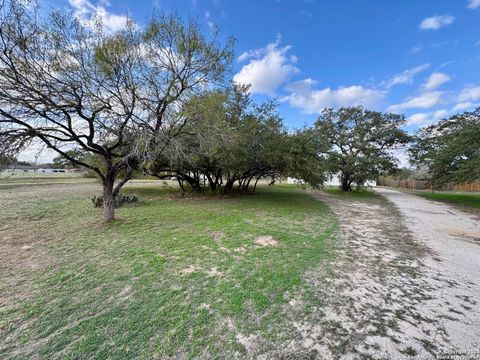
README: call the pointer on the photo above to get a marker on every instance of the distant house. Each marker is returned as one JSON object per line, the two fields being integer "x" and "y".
{"x": 332, "y": 180}
{"x": 20, "y": 169}
{"x": 17, "y": 169}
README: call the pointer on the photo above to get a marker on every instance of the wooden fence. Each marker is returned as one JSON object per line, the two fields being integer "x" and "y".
{"x": 412, "y": 184}
{"x": 425, "y": 185}
{"x": 464, "y": 187}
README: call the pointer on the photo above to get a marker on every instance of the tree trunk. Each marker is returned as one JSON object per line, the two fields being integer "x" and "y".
{"x": 108, "y": 199}
{"x": 255, "y": 186}
{"x": 240, "y": 183}
{"x": 229, "y": 184}
{"x": 247, "y": 183}
{"x": 193, "y": 182}
{"x": 180, "y": 183}
{"x": 346, "y": 183}
{"x": 211, "y": 183}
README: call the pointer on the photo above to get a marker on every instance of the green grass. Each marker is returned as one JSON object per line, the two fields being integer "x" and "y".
{"x": 465, "y": 201}
{"x": 173, "y": 277}
{"x": 9, "y": 181}
{"x": 355, "y": 194}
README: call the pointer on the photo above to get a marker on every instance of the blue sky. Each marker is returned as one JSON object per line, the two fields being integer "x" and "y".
{"x": 417, "y": 57}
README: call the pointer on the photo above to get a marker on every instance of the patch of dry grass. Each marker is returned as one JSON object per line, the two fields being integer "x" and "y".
{"x": 172, "y": 278}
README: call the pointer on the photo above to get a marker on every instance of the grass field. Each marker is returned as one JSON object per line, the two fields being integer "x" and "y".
{"x": 11, "y": 180}
{"x": 172, "y": 278}
{"x": 469, "y": 202}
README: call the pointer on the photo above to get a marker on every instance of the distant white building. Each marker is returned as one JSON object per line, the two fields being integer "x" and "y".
{"x": 291, "y": 180}
{"x": 20, "y": 169}
{"x": 332, "y": 180}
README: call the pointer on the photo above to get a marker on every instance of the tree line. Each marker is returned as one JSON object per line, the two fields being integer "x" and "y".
{"x": 158, "y": 100}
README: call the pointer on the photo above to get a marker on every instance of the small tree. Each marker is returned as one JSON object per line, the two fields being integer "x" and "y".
{"x": 449, "y": 149}
{"x": 68, "y": 85}
{"x": 361, "y": 143}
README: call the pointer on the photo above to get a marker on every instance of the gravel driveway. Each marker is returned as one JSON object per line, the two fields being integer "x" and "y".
{"x": 405, "y": 283}
{"x": 454, "y": 239}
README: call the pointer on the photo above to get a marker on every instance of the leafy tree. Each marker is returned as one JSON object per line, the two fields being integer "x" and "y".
{"x": 361, "y": 143}
{"x": 110, "y": 95}
{"x": 229, "y": 142}
{"x": 403, "y": 174}
{"x": 449, "y": 149}
{"x": 305, "y": 152}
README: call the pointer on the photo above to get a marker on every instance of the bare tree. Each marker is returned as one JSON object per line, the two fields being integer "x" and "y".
{"x": 112, "y": 96}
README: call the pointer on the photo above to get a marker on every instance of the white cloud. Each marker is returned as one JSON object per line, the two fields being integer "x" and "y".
{"x": 210, "y": 23}
{"x": 440, "y": 114}
{"x": 304, "y": 96}
{"x": 407, "y": 76}
{"x": 424, "y": 101}
{"x": 268, "y": 68}
{"x": 435, "y": 80}
{"x": 470, "y": 94}
{"x": 473, "y": 4}
{"x": 436, "y": 22}
{"x": 87, "y": 13}
{"x": 418, "y": 119}
{"x": 426, "y": 118}
{"x": 37, "y": 153}
{"x": 463, "y": 106}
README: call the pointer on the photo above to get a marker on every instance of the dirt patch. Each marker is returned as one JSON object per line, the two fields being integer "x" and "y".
{"x": 125, "y": 293}
{"x": 189, "y": 270}
{"x": 217, "y": 236}
{"x": 464, "y": 234}
{"x": 214, "y": 272}
{"x": 266, "y": 241}
{"x": 248, "y": 342}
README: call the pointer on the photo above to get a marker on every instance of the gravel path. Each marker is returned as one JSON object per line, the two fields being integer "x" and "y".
{"x": 454, "y": 239}
{"x": 404, "y": 285}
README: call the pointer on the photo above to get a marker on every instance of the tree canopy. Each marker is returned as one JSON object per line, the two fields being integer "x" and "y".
{"x": 449, "y": 149}
{"x": 112, "y": 96}
{"x": 361, "y": 143}
{"x": 229, "y": 139}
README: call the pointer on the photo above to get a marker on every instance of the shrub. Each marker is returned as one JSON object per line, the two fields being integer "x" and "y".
{"x": 120, "y": 199}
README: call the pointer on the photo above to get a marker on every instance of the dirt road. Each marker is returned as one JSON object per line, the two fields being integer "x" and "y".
{"x": 405, "y": 284}
{"x": 454, "y": 239}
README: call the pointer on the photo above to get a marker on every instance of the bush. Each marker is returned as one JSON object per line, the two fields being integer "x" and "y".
{"x": 120, "y": 200}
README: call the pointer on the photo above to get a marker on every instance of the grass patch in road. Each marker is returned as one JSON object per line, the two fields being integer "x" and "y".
{"x": 355, "y": 194}
{"x": 469, "y": 202}
{"x": 171, "y": 278}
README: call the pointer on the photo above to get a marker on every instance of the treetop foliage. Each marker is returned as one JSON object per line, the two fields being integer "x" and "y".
{"x": 115, "y": 97}
{"x": 449, "y": 149}
{"x": 361, "y": 143}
